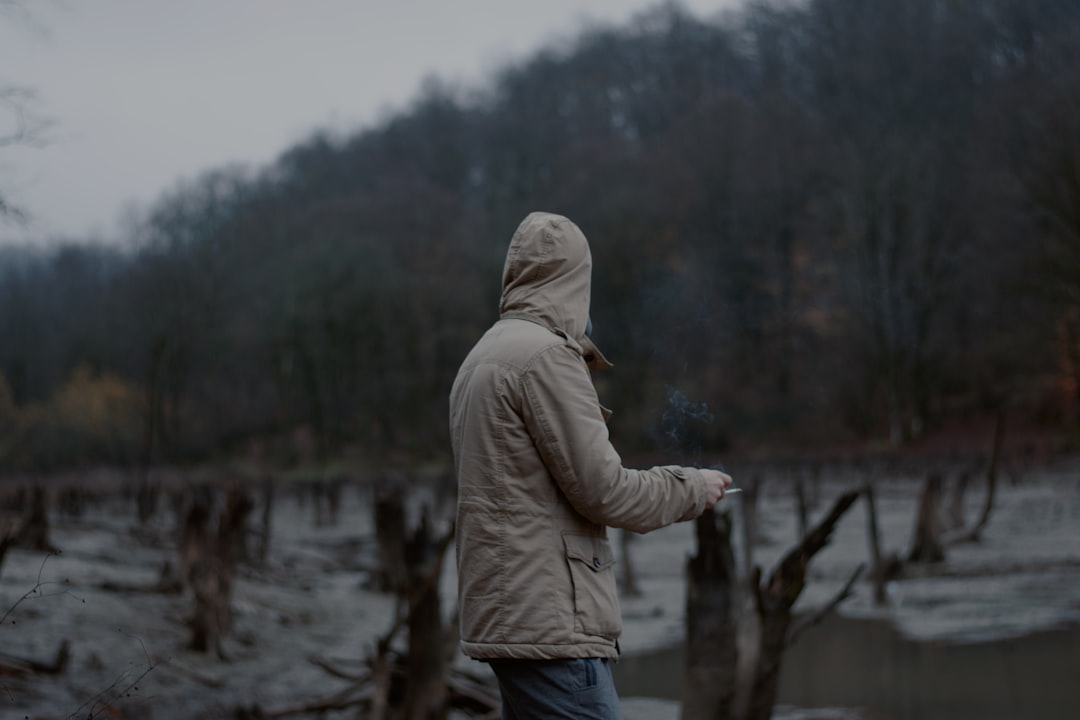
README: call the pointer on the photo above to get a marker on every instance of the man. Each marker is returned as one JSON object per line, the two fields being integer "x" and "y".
{"x": 539, "y": 482}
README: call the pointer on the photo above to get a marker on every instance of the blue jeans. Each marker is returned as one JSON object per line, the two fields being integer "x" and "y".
{"x": 557, "y": 689}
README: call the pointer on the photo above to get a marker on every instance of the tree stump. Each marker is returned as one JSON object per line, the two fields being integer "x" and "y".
{"x": 146, "y": 499}
{"x": 873, "y": 535}
{"x": 33, "y": 534}
{"x": 425, "y": 679}
{"x": 711, "y": 655}
{"x": 390, "y": 538}
{"x": 956, "y": 505}
{"x": 192, "y": 538}
{"x": 748, "y": 504}
{"x": 926, "y": 546}
{"x": 7, "y": 539}
{"x": 627, "y": 577}
{"x": 265, "y": 531}
{"x": 213, "y": 573}
{"x": 233, "y": 530}
{"x": 802, "y": 512}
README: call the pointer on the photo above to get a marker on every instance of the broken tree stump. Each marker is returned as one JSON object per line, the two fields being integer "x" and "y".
{"x": 425, "y": 667}
{"x": 873, "y": 535}
{"x": 627, "y": 577}
{"x": 926, "y": 545}
{"x": 390, "y": 535}
{"x": 213, "y": 572}
{"x": 711, "y": 655}
{"x": 33, "y": 533}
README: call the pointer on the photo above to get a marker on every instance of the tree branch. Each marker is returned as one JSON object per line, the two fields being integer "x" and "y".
{"x": 815, "y": 617}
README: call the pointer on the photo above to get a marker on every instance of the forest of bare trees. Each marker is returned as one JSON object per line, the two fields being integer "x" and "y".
{"x": 834, "y": 221}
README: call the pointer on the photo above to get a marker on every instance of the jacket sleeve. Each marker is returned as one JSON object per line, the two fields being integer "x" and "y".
{"x": 563, "y": 415}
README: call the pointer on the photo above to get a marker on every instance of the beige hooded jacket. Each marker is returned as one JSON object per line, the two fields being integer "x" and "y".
{"x": 538, "y": 479}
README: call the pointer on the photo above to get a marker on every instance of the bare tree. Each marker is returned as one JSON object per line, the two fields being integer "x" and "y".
{"x": 20, "y": 121}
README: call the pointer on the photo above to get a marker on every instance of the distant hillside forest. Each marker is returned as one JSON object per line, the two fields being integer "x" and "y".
{"x": 819, "y": 222}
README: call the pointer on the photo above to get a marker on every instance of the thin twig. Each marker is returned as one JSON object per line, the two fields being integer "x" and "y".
{"x": 36, "y": 590}
{"x": 101, "y": 701}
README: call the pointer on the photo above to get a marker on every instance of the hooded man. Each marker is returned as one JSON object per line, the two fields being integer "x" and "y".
{"x": 538, "y": 484}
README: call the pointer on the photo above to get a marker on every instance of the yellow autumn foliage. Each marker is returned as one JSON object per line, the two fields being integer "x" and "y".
{"x": 91, "y": 419}
{"x": 97, "y": 406}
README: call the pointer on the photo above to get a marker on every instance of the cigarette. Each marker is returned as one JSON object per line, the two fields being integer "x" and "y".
{"x": 732, "y": 490}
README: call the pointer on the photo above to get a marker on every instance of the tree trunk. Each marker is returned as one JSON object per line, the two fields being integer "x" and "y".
{"x": 628, "y": 576}
{"x": 972, "y": 534}
{"x": 333, "y": 489}
{"x": 267, "y": 517}
{"x": 815, "y": 486}
{"x": 146, "y": 497}
{"x": 956, "y": 505}
{"x": 425, "y": 680}
{"x": 800, "y": 503}
{"x": 6, "y": 541}
{"x": 213, "y": 573}
{"x": 749, "y": 506}
{"x": 711, "y": 655}
{"x": 233, "y": 530}
{"x": 33, "y": 534}
{"x": 390, "y": 539}
{"x": 193, "y": 535}
{"x": 873, "y": 535}
{"x": 926, "y": 544}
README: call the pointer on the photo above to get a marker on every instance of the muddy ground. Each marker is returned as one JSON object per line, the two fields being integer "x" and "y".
{"x": 128, "y": 643}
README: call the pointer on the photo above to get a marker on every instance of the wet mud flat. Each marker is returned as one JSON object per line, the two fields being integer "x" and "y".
{"x": 996, "y": 620}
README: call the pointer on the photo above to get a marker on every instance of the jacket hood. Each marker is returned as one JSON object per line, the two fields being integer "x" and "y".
{"x": 547, "y": 277}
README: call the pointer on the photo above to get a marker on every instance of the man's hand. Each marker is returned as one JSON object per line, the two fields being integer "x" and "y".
{"x": 716, "y": 483}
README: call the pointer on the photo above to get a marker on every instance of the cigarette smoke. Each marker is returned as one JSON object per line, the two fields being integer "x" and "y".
{"x": 682, "y": 427}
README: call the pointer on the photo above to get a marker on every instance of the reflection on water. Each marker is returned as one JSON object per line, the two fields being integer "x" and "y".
{"x": 867, "y": 664}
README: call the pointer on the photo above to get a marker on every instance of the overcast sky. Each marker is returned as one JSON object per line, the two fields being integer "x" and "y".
{"x": 144, "y": 93}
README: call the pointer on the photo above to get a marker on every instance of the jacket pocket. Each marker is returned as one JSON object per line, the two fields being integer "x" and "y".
{"x": 592, "y": 571}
